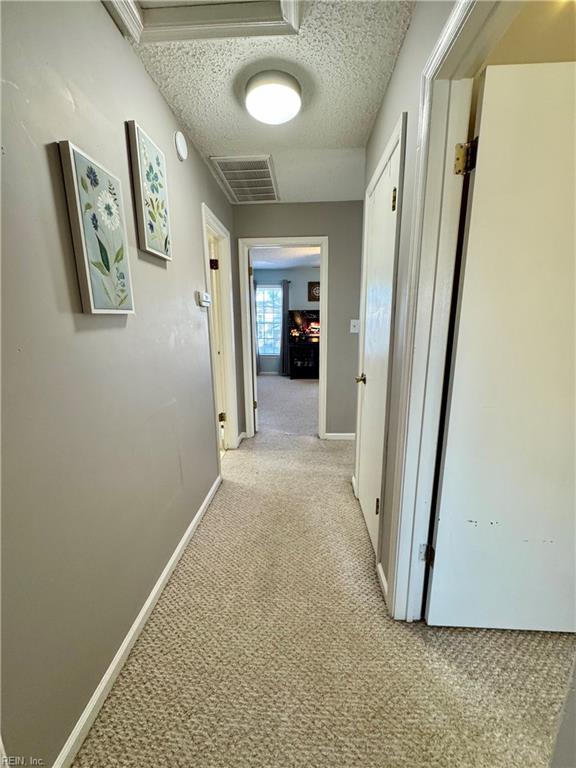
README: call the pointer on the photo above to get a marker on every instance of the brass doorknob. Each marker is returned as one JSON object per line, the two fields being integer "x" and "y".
{"x": 361, "y": 379}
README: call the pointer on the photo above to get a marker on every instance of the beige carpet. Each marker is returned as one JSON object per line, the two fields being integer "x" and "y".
{"x": 288, "y": 406}
{"x": 271, "y": 647}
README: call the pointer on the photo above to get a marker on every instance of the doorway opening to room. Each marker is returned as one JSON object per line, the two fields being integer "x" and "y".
{"x": 284, "y": 315}
{"x": 218, "y": 302}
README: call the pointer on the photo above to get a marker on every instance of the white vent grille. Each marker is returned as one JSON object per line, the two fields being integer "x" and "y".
{"x": 246, "y": 179}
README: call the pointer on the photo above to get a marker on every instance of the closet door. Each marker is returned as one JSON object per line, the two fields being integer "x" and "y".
{"x": 505, "y": 529}
{"x": 382, "y": 228}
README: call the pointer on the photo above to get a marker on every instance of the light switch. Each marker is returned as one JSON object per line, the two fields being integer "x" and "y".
{"x": 203, "y": 299}
{"x": 354, "y": 326}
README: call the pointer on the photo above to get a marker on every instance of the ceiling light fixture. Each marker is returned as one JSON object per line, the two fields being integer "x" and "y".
{"x": 273, "y": 97}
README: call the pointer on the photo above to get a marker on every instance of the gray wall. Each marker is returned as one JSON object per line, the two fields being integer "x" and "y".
{"x": 403, "y": 95}
{"x": 299, "y": 278}
{"x": 342, "y": 224}
{"x": 109, "y": 443}
{"x": 298, "y": 298}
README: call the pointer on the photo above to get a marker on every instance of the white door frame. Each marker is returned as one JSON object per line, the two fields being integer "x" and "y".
{"x": 244, "y": 245}
{"x": 471, "y": 31}
{"x": 212, "y": 226}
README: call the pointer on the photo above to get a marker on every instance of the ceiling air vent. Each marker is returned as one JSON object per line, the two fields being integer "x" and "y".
{"x": 247, "y": 179}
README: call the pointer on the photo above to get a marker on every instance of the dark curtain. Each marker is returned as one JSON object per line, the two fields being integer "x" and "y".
{"x": 284, "y": 352}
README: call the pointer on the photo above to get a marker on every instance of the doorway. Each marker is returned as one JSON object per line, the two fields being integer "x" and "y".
{"x": 445, "y": 118}
{"x": 284, "y": 285}
{"x": 218, "y": 275}
{"x": 507, "y": 433}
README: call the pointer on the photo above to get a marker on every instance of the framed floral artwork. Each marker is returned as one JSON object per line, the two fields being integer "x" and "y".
{"x": 150, "y": 193}
{"x": 98, "y": 232}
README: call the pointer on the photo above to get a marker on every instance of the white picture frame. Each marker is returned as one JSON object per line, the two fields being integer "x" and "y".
{"x": 98, "y": 224}
{"x": 150, "y": 184}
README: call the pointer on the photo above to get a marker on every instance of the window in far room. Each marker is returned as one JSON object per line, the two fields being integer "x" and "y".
{"x": 268, "y": 318}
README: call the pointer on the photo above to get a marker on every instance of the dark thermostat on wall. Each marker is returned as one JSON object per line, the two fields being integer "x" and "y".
{"x": 203, "y": 299}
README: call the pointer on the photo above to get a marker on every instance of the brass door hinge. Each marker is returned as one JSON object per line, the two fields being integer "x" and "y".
{"x": 221, "y": 417}
{"x": 250, "y": 271}
{"x": 255, "y": 403}
{"x": 394, "y": 194}
{"x": 377, "y": 506}
{"x": 465, "y": 157}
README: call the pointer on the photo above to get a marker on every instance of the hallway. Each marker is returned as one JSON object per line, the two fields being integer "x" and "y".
{"x": 270, "y": 646}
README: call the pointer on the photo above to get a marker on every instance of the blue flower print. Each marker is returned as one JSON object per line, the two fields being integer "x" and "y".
{"x": 152, "y": 179}
{"x": 151, "y": 226}
{"x": 121, "y": 278}
{"x": 92, "y": 177}
{"x": 94, "y": 220}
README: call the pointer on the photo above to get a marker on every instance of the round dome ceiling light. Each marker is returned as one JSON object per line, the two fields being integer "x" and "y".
{"x": 273, "y": 97}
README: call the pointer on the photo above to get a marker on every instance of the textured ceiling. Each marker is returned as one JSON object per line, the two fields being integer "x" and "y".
{"x": 343, "y": 56}
{"x": 284, "y": 257}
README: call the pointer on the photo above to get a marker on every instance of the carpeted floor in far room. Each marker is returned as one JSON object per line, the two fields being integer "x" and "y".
{"x": 288, "y": 405}
{"x": 271, "y": 647}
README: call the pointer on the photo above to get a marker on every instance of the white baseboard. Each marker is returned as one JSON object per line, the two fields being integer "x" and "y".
{"x": 240, "y": 437}
{"x": 80, "y": 731}
{"x": 268, "y": 373}
{"x": 236, "y": 442}
{"x": 382, "y": 580}
{"x": 354, "y": 486}
{"x": 340, "y": 436}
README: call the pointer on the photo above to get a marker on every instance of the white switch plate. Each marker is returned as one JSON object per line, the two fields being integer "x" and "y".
{"x": 354, "y": 326}
{"x": 203, "y": 299}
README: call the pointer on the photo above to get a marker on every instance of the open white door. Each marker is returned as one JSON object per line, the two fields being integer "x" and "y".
{"x": 381, "y": 233}
{"x": 217, "y": 343}
{"x": 254, "y": 339}
{"x": 218, "y": 273}
{"x": 505, "y": 529}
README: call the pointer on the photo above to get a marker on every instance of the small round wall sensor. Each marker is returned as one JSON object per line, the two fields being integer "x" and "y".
{"x": 181, "y": 145}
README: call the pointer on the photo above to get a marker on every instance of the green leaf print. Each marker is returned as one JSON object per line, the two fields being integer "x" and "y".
{"x": 103, "y": 254}
{"x": 87, "y": 207}
{"x": 119, "y": 254}
{"x": 99, "y": 266}
{"x": 84, "y": 183}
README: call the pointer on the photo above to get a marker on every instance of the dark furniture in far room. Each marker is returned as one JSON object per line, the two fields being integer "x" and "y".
{"x": 304, "y": 343}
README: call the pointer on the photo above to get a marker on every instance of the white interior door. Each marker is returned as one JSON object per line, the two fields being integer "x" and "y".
{"x": 380, "y": 252}
{"x": 504, "y": 535}
{"x": 254, "y": 339}
{"x": 217, "y": 343}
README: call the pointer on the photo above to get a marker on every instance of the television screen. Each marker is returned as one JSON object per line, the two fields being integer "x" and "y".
{"x": 304, "y": 326}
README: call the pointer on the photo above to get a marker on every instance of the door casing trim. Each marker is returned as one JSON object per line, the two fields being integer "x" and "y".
{"x": 471, "y": 31}
{"x": 211, "y": 225}
{"x": 244, "y": 245}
